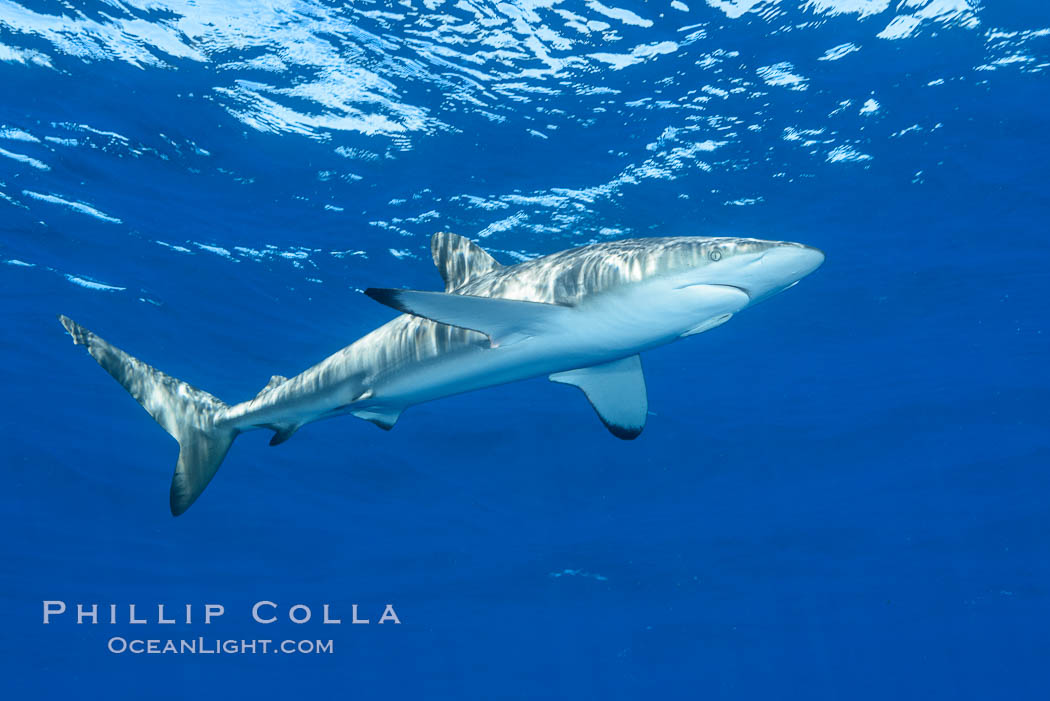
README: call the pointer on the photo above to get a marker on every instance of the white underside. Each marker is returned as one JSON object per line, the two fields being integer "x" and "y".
{"x": 610, "y": 327}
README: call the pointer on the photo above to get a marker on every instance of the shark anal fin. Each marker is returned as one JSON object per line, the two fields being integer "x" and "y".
{"x": 459, "y": 260}
{"x": 381, "y": 416}
{"x": 282, "y": 433}
{"x": 504, "y": 321}
{"x": 616, "y": 390}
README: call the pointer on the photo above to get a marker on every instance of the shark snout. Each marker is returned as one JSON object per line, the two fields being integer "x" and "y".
{"x": 800, "y": 260}
{"x": 779, "y": 268}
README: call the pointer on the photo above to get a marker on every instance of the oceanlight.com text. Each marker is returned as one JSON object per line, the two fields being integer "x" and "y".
{"x": 215, "y": 646}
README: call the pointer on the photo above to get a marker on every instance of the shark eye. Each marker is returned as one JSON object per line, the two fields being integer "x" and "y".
{"x": 715, "y": 254}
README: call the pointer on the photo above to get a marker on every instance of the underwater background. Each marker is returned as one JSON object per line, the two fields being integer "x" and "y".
{"x": 842, "y": 493}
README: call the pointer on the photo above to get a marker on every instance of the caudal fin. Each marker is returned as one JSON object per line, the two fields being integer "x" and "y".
{"x": 188, "y": 414}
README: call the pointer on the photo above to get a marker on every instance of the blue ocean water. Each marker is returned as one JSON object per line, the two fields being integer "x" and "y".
{"x": 839, "y": 494}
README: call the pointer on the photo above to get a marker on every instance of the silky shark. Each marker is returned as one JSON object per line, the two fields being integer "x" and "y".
{"x": 581, "y": 317}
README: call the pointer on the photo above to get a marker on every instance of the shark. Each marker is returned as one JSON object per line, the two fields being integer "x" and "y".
{"x": 581, "y": 317}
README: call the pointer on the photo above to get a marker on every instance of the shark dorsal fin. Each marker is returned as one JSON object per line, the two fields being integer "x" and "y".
{"x": 274, "y": 381}
{"x": 459, "y": 260}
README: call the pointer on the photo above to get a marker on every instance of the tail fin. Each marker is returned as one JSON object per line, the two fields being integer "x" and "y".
{"x": 185, "y": 412}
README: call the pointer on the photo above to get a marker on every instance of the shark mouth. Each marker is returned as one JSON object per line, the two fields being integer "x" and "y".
{"x": 717, "y": 284}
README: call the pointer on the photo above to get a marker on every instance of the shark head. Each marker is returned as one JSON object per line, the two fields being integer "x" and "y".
{"x": 669, "y": 287}
{"x": 759, "y": 268}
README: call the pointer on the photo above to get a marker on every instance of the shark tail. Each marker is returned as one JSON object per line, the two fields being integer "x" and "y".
{"x": 190, "y": 415}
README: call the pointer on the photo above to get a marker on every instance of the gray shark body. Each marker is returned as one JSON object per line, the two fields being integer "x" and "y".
{"x": 580, "y": 316}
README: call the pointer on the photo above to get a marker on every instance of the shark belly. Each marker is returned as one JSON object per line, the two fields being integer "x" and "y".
{"x": 604, "y": 329}
{"x": 412, "y": 360}
{"x": 472, "y": 369}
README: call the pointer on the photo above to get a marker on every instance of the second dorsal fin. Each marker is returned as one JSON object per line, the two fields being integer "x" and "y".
{"x": 274, "y": 381}
{"x": 459, "y": 260}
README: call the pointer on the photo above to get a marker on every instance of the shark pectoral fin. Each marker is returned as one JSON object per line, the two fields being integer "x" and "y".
{"x": 504, "y": 321}
{"x": 616, "y": 390}
{"x": 382, "y": 416}
{"x": 459, "y": 260}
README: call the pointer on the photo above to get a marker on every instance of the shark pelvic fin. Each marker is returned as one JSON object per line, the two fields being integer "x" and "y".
{"x": 504, "y": 321}
{"x": 459, "y": 260}
{"x": 381, "y": 416}
{"x": 616, "y": 390}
